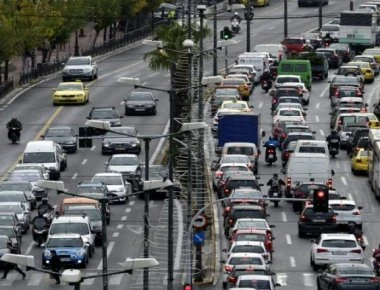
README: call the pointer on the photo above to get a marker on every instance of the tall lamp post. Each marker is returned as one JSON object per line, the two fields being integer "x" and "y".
{"x": 76, "y": 46}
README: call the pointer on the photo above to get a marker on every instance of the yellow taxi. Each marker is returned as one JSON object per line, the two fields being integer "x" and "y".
{"x": 260, "y": 3}
{"x": 375, "y": 52}
{"x": 242, "y": 106}
{"x": 365, "y": 67}
{"x": 240, "y": 84}
{"x": 70, "y": 93}
{"x": 359, "y": 163}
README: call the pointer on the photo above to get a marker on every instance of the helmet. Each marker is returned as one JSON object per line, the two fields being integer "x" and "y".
{"x": 275, "y": 175}
{"x": 236, "y": 13}
{"x": 266, "y": 70}
{"x": 14, "y": 119}
{"x": 333, "y": 132}
{"x": 307, "y": 41}
{"x": 40, "y": 212}
{"x": 328, "y": 34}
{"x": 45, "y": 200}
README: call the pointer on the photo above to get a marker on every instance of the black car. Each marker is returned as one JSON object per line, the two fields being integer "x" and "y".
{"x": 64, "y": 136}
{"x": 316, "y": 223}
{"x": 339, "y": 80}
{"x": 333, "y": 57}
{"x": 14, "y": 235}
{"x": 362, "y": 143}
{"x": 344, "y": 50}
{"x": 108, "y": 114}
{"x": 140, "y": 103}
{"x": 347, "y": 276}
{"x": 121, "y": 140}
{"x": 305, "y": 190}
{"x": 236, "y": 179}
{"x": 357, "y": 133}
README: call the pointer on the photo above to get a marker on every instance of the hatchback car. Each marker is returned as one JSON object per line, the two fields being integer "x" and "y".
{"x": 249, "y": 247}
{"x": 370, "y": 59}
{"x": 311, "y": 222}
{"x": 290, "y": 115}
{"x": 251, "y": 223}
{"x": 335, "y": 248}
{"x": 108, "y": 114}
{"x": 256, "y": 282}
{"x": 129, "y": 165}
{"x": 339, "y": 81}
{"x": 224, "y": 167}
{"x": 253, "y": 234}
{"x": 244, "y": 196}
{"x": 241, "y": 85}
{"x": 121, "y": 139}
{"x": 239, "y": 270}
{"x": 368, "y": 72}
{"x": 140, "y": 103}
{"x": 347, "y": 212}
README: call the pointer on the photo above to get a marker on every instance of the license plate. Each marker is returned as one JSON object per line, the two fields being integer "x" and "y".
{"x": 318, "y": 221}
{"x": 119, "y": 148}
{"x": 275, "y": 194}
{"x": 339, "y": 253}
{"x": 139, "y": 110}
{"x": 65, "y": 259}
{"x": 270, "y": 156}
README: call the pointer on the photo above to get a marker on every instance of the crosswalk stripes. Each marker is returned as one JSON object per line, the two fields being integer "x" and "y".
{"x": 308, "y": 279}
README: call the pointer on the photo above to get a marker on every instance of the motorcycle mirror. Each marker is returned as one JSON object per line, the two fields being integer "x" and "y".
{"x": 360, "y": 207}
{"x": 273, "y": 238}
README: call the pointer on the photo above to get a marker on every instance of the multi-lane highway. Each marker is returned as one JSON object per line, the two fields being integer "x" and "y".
{"x": 291, "y": 260}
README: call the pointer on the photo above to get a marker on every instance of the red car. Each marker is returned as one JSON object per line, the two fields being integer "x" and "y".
{"x": 294, "y": 44}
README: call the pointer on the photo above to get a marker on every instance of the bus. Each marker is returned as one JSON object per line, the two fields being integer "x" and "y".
{"x": 374, "y": 161}
{"x": 358, "y": 28}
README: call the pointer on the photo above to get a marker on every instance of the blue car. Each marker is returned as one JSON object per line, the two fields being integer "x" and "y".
{"x": 70, "y": 248}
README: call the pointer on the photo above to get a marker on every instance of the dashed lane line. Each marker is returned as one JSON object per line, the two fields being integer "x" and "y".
{"x": 84, "y": 161}
{"x": 109, "y": 250}
{"x": 75, "y": 175}
{"x": 344, "y": 180}
{"x": 288, "y": 239}
{"x": 284, "y": 217}
{"x": 292, "y": 262}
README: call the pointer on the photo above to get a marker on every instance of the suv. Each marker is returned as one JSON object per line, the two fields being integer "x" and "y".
{"x": 105, "y": 114}
{"x": 80, "y": 67}
{"x": 311, "y": 222}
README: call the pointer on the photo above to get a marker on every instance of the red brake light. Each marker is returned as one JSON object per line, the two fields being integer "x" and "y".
{"x": 374, "y": 280}
{"x": 303, "y": 218}
{"x": 232, "y": 280}
{"x": 219, "y": 174}
{"x": 340, "y": 280}
{"x": 288, "y": 182}
{"x": 283, "y": 135}
{"x": 228, "y": 268}
{"x": 231, "y": 221}
{"x": 319, "y": 250}
{"x": 357, "y": 251}
{"x": 329, "y": 183}
{"x": 356, "y": 212}
{"x": 337, "y": 93}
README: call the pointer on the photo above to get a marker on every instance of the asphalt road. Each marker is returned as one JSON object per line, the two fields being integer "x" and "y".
{"x": 34, "y": 108}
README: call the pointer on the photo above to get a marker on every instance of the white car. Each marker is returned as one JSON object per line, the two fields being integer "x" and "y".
{"x": 335, "y": 248}
{"x": 242, "y": 106}
{"x": 249, "y": 247}
{"x": 228, "y": 167}
{"x": 117, "y": 186}
{"x": 289, "y": 115}
{"x": 248, "y": 223}
{"x": 333, "y": 29}
{"x": 305, "y": 93}
{"x": 347, "y": 212}
{"x": 281, "y": 79}
{"x": 289, "y": 106}
{"x": 256, "y": 282}
{"x": 241, "y": 259}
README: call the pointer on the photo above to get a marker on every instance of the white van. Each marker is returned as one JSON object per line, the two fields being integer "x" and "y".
{"x": 244, "y": 148}
{"x": 312, "y": 147}
{"x": 303, "y": 167}
{"x": 48, "y": 153}
{"x": 276, "y": 51}
{"x": 259, "y": 62}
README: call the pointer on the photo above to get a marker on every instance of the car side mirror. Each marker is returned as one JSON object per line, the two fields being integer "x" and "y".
{"x": 332, "y": 172}
{"x": 269, "y": 262}
{"x": 222, "y": 261}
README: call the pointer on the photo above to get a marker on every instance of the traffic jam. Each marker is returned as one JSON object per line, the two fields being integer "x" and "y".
{"x": 330, "y": 219}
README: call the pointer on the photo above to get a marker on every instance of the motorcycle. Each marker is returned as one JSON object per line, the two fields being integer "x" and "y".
{"x": 40, "y": 231}
{"x": 275, "y": 192}
{"x": 352, "y": 229}
{"x": 235, "y": 26}
{"x": 333, "y": 147}
{"x": 13, "y": 134}
{"x": 270, "y": 155}
{"x": 266, "y": 85}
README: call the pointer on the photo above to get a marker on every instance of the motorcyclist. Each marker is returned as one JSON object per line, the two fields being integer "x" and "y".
{"x": 332, "y": 137}
{"x": 327, "y": 39}
{"x": 275, "y": 182}
{"x": 376, "y": 252}
{"x": 272, "y": 143}
{"x": 376, "y": 255}
{"x": 266, "y": 76}
{"x": 45, "y": 206}
{"x": 14, "y": 123}
{"x": 236, "y": 17}
{"x": 37, "y": 220}
{"x": 308, "y": 46}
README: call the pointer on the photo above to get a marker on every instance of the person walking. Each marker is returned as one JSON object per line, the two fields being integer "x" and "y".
{"x": 55, "y": 266}
{"x": 10, "y": 266}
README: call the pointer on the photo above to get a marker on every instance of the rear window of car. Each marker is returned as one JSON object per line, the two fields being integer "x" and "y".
{"x": 241, "y": 183}
{"x": 240, "y": 150}
{"x": 250, "y": 237}
{"x": 342, "y": 207}
{"x": 293, "y": 41}
{"x": 309, "y": 212}
{"x": 248, "y": 249}
{"x": 257, "y": 284}
{"x": 354, "y": 271}
{"x": 248, "y": 213}
{"x": 339, "y": 244}
{"x": 312, "y": 149}
{"x": 234, "y": 168}
{"x": 245, "y": 261}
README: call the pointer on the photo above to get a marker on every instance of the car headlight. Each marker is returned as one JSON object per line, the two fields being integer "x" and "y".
{"x": 86, "y": 240}
{"x": 47, "y": 254}
{"x": 70, "y": 142}
{"x": 65, "y": 70}
{"x": 108, "y": 144}
{"x": 79, "y": 96}
{"x": 81, "y": 252}
{"x": 149, "y": 106}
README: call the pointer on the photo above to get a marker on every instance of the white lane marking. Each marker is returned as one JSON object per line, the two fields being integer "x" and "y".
{"x": 124, "y": 218}
{"x": 35, "y": 279}
{"x": 260, "y": 104}
{"x": 89, "y": 281}
{"x": 292, "y": 262}
{"x": 180, "y": 232}
{"x": 284, "y": 217}
{"x": 350, "y": 196}
{"x": 344, "y": 180}
{"x": 317, "y": 119}
{"x": 84, "y": 162}
{"x": 288, "y": 239}
{"x": 270, "y": 27}
{"x": 317, "y": 105}
{"x": 144, "y": 83}
{"x": 365, "y": 241}
{"x": 119, "y": 226}
{"x": 93, "y": 148}
{"x": 369, "y": 100}
{"x": 308, "y": 279}
{"x": 321, "y": 132}
{"x": 75, "y": 175}
{"x": 127, "y": 210}
{"x": 324, "y": 92}
{"x": 136, "y": 229}
{"x": 282, "y": 278}
{"x": 109, "y": 250}
{"x": 131, "y": 203}
{"x": 29, "y": 248}
{"x": 115, "y": 234}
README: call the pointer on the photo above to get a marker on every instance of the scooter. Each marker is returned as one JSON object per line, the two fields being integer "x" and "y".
{"x": 333, "y": 148}
{"x": 266, "y": 85}
{"x": 270, "y": 155}
{"x": 235, "y": 26}
{"x": 12, "y": 135}
{"x": 40, "y": 231}
{"x": 275, "y": 192}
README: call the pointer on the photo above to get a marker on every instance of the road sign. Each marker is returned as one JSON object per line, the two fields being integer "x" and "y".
{"x": 200, "y": 222}
{"x": 199, "y": 238}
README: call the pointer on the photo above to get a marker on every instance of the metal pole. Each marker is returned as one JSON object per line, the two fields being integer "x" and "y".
{"x": 170, "y": 192}
{"x": 76, "y": 47}
{"x": 351, "y": 5}
{"x": 215, "y": 56}
{"x": 104, "y": 242}
{"x": 77, "y": 286}
{"x": 146, "y": 215}
{"x": 188, "y": 19}
{"x": 226, "y": 59}
{"x": 320, "y": 14}
{"x": 248, "y": 26}
{"x": 285, "y": 18}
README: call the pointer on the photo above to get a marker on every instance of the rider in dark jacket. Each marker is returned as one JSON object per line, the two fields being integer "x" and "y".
{"x": 333, "y": 136}
{"x": 14, "y": 123}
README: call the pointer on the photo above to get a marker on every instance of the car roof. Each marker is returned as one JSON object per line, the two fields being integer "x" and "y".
{"x": 255, "y": 277}
{"x": 66, "y": 236}
{"x": 343, "y": 202}
{"x": 65, "y": 219}
{"x": 11, "y": 203}
{"x": 249, "y": 207}
{"x": 251, "y": 231}
{"x": 242, "y": 255}
{"x": 338, "y": 236}
{"x": 248, "y": 243}
{"x": 108, "y": 174}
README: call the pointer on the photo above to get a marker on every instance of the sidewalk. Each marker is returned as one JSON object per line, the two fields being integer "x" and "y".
{"x": 16, "y": 64}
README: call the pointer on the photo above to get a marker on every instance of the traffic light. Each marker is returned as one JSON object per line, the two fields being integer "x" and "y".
{"x": 226, "y": 33}
{"x": 187, "y": 287}
{"x": 85, "y": 137}
{"x": 321, "y": 200}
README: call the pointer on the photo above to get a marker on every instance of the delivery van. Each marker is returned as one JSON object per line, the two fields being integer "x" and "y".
{"x": 300, "y": 67}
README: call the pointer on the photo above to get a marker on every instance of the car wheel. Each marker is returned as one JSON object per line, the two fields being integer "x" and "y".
{"x": 96, "y": 76}
{"x": 353, "y": 171}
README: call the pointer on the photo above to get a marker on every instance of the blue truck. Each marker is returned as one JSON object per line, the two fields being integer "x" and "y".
{"x": 238, "y": 127}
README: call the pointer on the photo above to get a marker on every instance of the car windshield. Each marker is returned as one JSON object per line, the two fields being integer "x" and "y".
{"x": 345, "y": 81}
{"x": 248, "y": 213}
{"x": 289, "y": 113}
{"x": 64, "y": 243}
{"x": 39, "y": 157}
{"x": 93, "y": 214}
{"x": 108, "y": 180}
{"x": 15, "y": 186}
{"x": 104, "y": 114}
{"x": 16, "y": 208}
{"x": 241, "y": 183}
{"x": 246, "y": 194}
{"x": 245, "y": 261}
{"x": 140, "y": 97}
{"x": 240, "y": 150}
{"x": 339, "y": 243}
{"x": 248, "y": 249}
{"x": 69, "y": 87}
{"x": 253, "y": 283}
{"x": 79, "y": 61}
{"x": 312, "y": 149}
{"x": 354, "y": 271}
{"x": 124, "y": 161}
{"x": 90, "y": 189}
{"x": 250, "y": 237}
{"x": 121, "y": 131}
{"x": 252, "y": 224}
{"x": 69, "y": 227}
{"x": 363, "y": 58}
{"x": 234, "y": 82}
{"x": 12, "y": 197}
{"x": 236, "y": 159}
{"x": 6, "y": 220}
{"x": 58, "y": 133}
{"x": 22, "y": 176}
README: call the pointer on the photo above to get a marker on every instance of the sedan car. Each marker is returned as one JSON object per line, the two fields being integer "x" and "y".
{"x": 347, "y": 212}
{"x": 70, "y": 248}
{"x": 249, "y": 247}
{"x": 359, "y": 162}
{"x": 289, "y": 115}
{"x": 242, "y": 106}
{"x": 140, "y": 103}
{"x": 370, "y": 59}
{"x": 117, "y": 186}
{"x": 241, "y": 85}
{"x": 347, "y": 276}
{"x": 228, "y": 167}
{"x": 339, "y": 80}
{"x": 107, "y": 114}
{"x": 129, "y": 165}
{"x": 344, "y": 50}
{"x": 121, "y": 139}
{"x": 71, "y": 93}
{"x": 334, "y": 59}
{"x": 22, "y": 214}
{"x": 24, "y": 186}
{"x": 335, "y": 248}
{"x": 311, "y": 222}
{"x": 15, "y": 196}
{"x": 256, "y": 282}
{"x": 64, "y": 136}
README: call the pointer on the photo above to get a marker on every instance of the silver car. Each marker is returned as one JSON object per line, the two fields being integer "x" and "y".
{"x": 16, "y": 196}
{"x": 117, "y": 186}
{"x": 129, "y": 165}
{"x": 22, "y": 214}
{"x": 80, "y": 67}
{"x": 24, "y": 186}
{"x": 32, "y": 176}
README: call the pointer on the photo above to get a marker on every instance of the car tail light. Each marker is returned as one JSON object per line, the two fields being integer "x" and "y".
{"x": 374, "y": 280}
{"x": 357, "y": 251}
{"x": 218, "y": 174}
{"x": 228, "y": 268}
{"x": 340, "y": 280}
{"x": 227, "y": 209}
{"x": 332, "y": 219}
{"x": 226, "y": 191}
{"x": 319, "y": 250}
{"x": 304, "y": 218}
{"x": 356, "y": 212}
{"x": 337, "y": 93}
{"x": 232, "y": 280}
{"x": 288, "y": 182}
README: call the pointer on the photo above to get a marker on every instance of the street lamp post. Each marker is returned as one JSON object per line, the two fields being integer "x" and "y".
{"x": 248, "y": 13}
{"x": 76, "y": 46}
